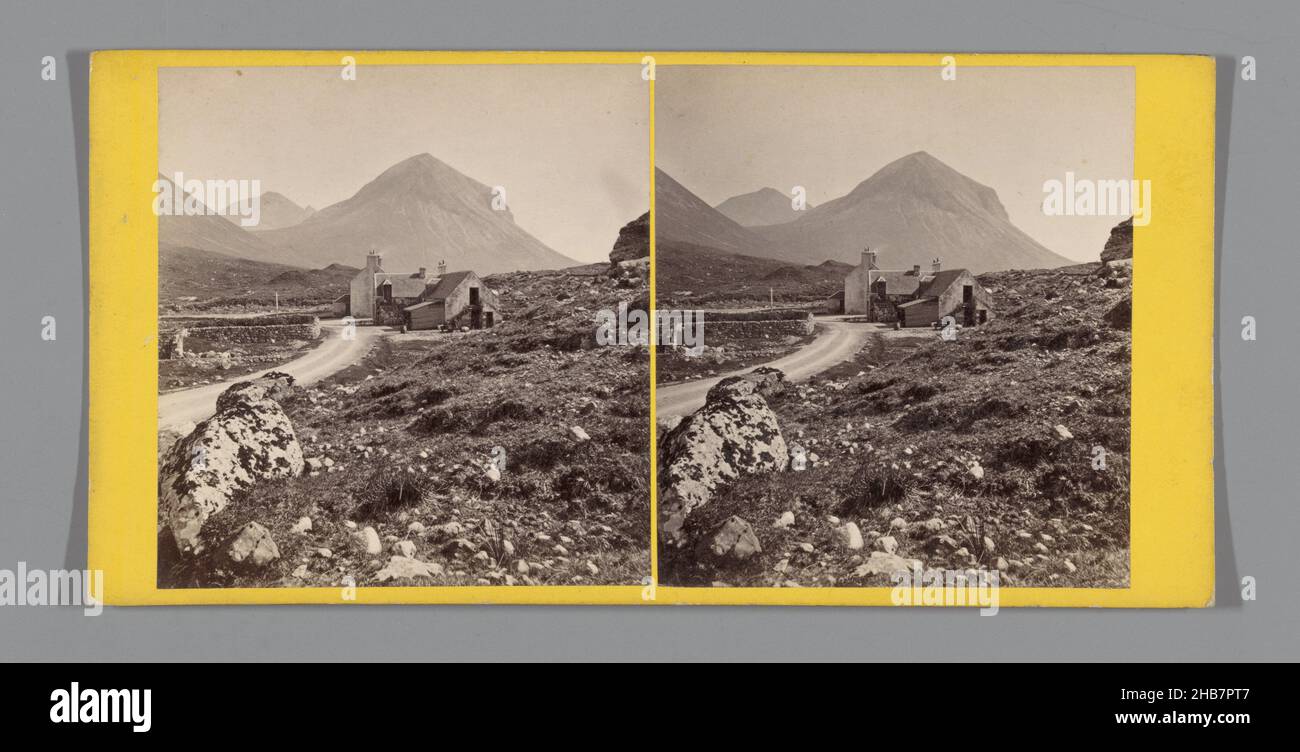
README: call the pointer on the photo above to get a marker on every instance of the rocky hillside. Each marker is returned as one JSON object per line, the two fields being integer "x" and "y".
{"x": 690, "y": 275}
{"x": 191, "y": 277}
{"x": 513, "y": 455}
{"x": 1006, "y": 448}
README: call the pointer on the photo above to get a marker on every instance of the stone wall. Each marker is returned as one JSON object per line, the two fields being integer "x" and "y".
{"x": 277, "y": 332}
{"x": 766, "y": 327}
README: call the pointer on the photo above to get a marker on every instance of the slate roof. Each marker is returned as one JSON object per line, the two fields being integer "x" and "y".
{"x": 896, "y": 282}
{"x": 404, "y": 285}
{"x": 447, "y": 285}
{"x": 933, "y": 285}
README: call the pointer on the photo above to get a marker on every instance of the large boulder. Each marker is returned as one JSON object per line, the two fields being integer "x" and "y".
{"x": 633, "y": 241}
{"x": 247, "y": 440}
{"x": 770, "y": 382}
{"x": 1119, "y": 245}
{"x": 734, "y": 434}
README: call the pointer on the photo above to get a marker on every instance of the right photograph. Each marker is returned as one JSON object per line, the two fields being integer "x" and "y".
{"x": 900, "y": 310}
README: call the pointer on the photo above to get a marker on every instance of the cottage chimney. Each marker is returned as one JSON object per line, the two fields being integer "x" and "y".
{"x": 934, "y": 265}
{"x": 869, "y": 259}
{"x": 421, "y": 273}
{"x": 916, "y": 270}
{"x": 372, "y": 261}
{"x": 442, "y": 268}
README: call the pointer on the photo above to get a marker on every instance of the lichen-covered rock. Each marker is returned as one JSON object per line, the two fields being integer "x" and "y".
{"x": 247, "y": 440}
{"x": 734, "y": 434}
{"x": 770, "y": 382}
{"x": 272, "y": 386}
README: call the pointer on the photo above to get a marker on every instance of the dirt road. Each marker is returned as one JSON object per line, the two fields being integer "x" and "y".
{"x": 334, "y": 354}
{"x": 837, "y": 343}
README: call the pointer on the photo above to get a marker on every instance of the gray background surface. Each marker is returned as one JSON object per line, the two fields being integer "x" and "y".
{"x": 42, "y": 384}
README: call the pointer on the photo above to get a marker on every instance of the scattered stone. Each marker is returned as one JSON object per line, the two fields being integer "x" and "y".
{"x": 405, "y": 548}
{"x": 415, "y": 528}
{"x": 579, "y": 434}
{"x": 734, "y": 539}
{"x": 851, "y": 536}
{"x": 886, "y": 562}
{"x": 785, "y": 520}
{"x": 886, "y": 543}
{"x": 253, "y": 545}
{"x": 1062, "y": 432}
{"x": 402, "y": 567}
{"x": 369, "y": 540}
{"x": 302, "y": 525}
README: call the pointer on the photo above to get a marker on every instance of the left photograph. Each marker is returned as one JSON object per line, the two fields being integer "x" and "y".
{"x": 380, "y": 354}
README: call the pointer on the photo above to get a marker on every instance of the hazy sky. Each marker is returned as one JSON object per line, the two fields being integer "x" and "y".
{"x": 726, "y": 130}
{"x": 569, "y": 143}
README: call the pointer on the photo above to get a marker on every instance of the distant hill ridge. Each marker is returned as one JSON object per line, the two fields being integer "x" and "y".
{"x": 910, "y": 211}
{"x": 416, "y": 213}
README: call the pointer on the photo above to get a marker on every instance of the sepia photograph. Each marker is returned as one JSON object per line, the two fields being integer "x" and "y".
{"x": 905, "y": 296}
{"x": 377, "y": 351}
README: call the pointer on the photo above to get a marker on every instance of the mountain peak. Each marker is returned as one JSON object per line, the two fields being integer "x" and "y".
{"x": 918, "y": 207}
{"x": 278, "y": 210}
{"x": 930, "y": 181}
{"x": 419, "y": 164}
{"x": 765, "y": 206}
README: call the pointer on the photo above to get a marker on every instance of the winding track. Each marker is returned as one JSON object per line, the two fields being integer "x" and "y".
{"x": 837, "y": 343}
{"x": 334, "y": 354}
